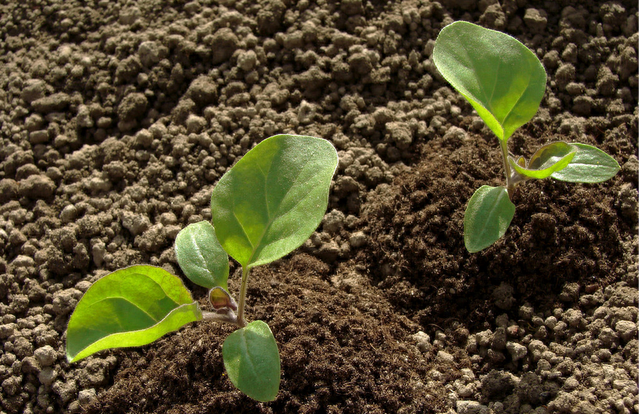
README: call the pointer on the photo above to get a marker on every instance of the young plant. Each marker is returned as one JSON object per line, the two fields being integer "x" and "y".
{"x": 504, "y": 82}
{"x": 263, "y": 208}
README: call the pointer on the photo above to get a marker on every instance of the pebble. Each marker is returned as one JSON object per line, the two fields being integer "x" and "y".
{"x": 65, "y": 301}
{"x": 37, "y": 187}
{"x": 52, "y": 103}
{"x": 471, "y": 407}
{"x": 132, "y": 106}
{"x": 445, "y": 357}
{"x": 516, "y": 350}
{"x": 86, "y": 397}
{"x": 333, "y": 221}
{"x": 627, "y": 330}
{"x": 423, "y": 341}
{"x": 47, "y": 375}
{"x": 45, "y": 355}
{"x": 573, "y": 317}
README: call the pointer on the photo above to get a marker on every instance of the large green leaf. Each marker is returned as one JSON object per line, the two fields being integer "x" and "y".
{"x": 133, "y": 306}
{"x": 502, "y": 79}
{"x": 252, "y": 361}
{"x": 589, "y": 165}
{"x": 487, "y": 217}
{"x": 547, "y": 160}
{"x": 201, "y": 257}
{"x": 271, "y": 201}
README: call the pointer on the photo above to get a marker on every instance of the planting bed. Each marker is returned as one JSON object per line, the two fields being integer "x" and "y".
{"x": 118, "y": 118}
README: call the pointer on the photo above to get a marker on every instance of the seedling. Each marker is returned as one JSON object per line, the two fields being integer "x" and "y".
{"x": 504, "y": 82}
{"x": 263, "y": 208}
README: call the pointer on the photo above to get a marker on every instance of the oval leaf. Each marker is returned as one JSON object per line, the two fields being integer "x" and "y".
{"x": 271, "y": 201}
{"x": 252, "y": 361}
{"x": 201, "y": 257}
{"x": 548, "y": 159}
{"x": 221, "y": 299}
{"x": 133, "y": 306}
{"x": 502, "y": 79}
{"x": 487, "y": 217}
{"x": 589, "y": 165}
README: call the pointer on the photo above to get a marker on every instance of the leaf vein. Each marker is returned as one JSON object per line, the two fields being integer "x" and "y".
{"x": 276, "y": 213}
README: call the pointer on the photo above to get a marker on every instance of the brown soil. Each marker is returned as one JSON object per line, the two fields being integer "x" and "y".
{"x": 562, "y": 233}
{"x": 118, "y": 118}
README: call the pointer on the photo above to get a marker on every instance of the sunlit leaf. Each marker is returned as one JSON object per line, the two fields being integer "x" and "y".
{"x": 548, "y": 159}
{"x": 271, "y": 201}
{"x": 133, "y": 306}
{"x": 502, "y": 79}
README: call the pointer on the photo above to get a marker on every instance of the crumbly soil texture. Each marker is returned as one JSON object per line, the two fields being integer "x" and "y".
{"x": 117, "y": 118}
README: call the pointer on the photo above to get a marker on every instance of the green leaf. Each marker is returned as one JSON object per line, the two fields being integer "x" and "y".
{"x": 548, "y": 159}
{"x": 201, "y": 257}
{"x": 252, "y": 361}
{"x": 133, "y": 306}
{"x": 487, "y": 217}
{"x": 502, "y": 79}
{"x": 589, "y": 165}
{"x": 271, "y": 201}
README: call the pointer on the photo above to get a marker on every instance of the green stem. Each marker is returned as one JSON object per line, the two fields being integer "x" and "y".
{"x": 243, "y": 294}
{"x": 507, "y": 167}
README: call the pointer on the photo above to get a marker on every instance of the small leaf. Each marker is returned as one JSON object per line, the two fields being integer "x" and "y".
{"x": 548, "y": 159}
{"x": 252, "y": 361}
{"x": 221, "y": 299}
{"x": 133, "y": 306}
{"x": 271, "y": 201}
{"x": 487, "y": 217}
{"x": 589, "y": 165}
{"x": 201, "y": 257}
{"x": 502, "y": 79}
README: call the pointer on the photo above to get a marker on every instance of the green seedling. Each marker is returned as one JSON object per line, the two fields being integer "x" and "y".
{"x": 263, "y": 208}
{"x": 504, "y": 82}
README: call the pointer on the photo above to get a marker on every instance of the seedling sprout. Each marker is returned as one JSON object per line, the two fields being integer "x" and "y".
{"x": 504, "y": 82}
{"x": 263, "y": 208}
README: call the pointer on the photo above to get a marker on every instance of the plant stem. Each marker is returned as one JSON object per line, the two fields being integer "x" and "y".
{"x": 243, "y": 294}
{"x": 507, "y": 167}
{"x": 220, "y": 317}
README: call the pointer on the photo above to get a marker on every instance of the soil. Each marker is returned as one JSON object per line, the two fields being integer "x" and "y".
{"x": 118, "y": 118}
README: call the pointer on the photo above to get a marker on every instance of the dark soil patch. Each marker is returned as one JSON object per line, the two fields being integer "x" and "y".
{"x": 343, "y": 351}
{"x": 562, "y": 233}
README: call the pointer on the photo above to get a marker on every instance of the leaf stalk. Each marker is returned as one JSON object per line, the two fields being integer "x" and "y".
{"x": 507, "y": 167}
{"x": 243, "y": 294}
{"x": 228, "y": 317}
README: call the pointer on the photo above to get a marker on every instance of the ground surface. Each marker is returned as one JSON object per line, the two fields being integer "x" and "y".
{"x": 117, "y": 119}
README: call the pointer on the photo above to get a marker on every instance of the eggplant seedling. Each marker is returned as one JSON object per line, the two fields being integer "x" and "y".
{"x": 504, "y": 82}
{"x": 263, "y": 208}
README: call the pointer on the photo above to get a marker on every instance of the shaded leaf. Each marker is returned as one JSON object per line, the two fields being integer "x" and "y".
{"x": 252, "y": 361}
{"x": 133, "y": 306}
{"x": 487, "y": 217}
{"x": 201, "y": 257}
{"x": 589, "y": 165}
